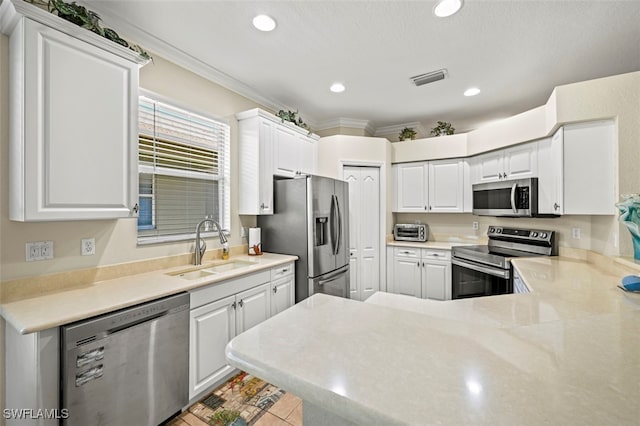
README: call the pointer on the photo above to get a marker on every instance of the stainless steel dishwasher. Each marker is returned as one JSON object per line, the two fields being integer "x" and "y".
{"x": 129, "y": 367}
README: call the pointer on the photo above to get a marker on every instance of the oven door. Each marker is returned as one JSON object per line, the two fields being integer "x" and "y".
{"x": 473, "y": 280}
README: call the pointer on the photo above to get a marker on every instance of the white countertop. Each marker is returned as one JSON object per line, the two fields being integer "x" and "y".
{"x": 68, "y": 305}
{"x": 566, "y": 353}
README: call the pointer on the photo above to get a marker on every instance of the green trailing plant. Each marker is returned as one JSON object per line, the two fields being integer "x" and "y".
{"x": 224, "y": 417}
{"x": 88, "y": 19}
{"x": 443, "y": 128}
{"x": 291, "y": 117}
{"x": 407, "y": 133}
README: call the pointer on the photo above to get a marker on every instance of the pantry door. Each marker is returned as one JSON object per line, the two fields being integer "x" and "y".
{"x": 364, "y": 229}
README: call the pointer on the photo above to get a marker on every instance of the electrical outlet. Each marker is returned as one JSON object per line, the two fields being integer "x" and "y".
{"x": 46, "y": 250}
{"x": 88, "y": 246}
{"x": 475, "y": 225}
{"x": 576, "y": 233}
{"x": 39, "y": 250}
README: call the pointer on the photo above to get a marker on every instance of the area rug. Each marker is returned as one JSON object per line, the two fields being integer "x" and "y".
{"x": 249, "y": 395}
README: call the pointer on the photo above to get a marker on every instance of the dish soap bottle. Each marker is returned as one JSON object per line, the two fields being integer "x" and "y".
{"x": 225, "y": 251}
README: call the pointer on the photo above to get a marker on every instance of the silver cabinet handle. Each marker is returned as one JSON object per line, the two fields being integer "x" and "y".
{"x": 425, "y": 207}
{"x": 500, "y": 175}
{"x": 556, "y": 206}
{"x": 418, "y": 263}
{"x": 263, "y": 206}
{"x": 135, "y": 209}
{"x": 275, "y": 289}
{"x": 233, "y": 305}
{"x": 504, "y": 175}
{"x": 241, "y": 303}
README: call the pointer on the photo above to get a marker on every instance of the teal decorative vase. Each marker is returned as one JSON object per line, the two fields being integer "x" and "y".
{"x": 629, "y": 209}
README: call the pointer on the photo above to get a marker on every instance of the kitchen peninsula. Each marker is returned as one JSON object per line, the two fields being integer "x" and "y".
{"x": 565, "y": 353}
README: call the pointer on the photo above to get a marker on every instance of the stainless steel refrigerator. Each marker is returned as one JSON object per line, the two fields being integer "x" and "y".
{"x": 310, "y": 220}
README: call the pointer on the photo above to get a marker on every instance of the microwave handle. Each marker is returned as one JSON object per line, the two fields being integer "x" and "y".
{"x": 513, "y": 198}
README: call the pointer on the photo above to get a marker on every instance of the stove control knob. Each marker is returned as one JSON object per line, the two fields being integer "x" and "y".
{"x": 534, "y": 234}
{"x": 499, "y": 230}
{"x": 491, "y": 230}
{"x": 543, "y": 235}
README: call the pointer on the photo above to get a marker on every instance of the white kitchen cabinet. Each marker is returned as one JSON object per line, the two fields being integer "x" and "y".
{"x": 550, "y": 174}
{"x": 283, "y": 285}
{"x": 436, "y": 274}
{"x": 516, "y": 162}
{"x": 223, "y": 310}
{"x": 211, "y": 327}
{"x": 577, "y": 170}
{"x": 73, "y": 136}
{"x": 252, "y": 307}
{"x": 430, "y": 186}
{"x": 364, "y": 223}
{"x": 267, "y": 147}
{"x": 424, "y": 273}
{"x": 446, "y": 186}
{"x": 412, "y": 187}
{"x": 32, "y": 373}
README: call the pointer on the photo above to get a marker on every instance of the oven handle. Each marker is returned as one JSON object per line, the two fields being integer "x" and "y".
{"x": 502, "y": 273}
{"x": 513, "y": 198}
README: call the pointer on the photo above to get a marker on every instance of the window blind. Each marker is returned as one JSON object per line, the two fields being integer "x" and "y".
{"x": 183, "y": 165}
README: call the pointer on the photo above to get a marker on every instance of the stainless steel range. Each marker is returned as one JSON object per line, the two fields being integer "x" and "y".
{"x": 486, "y": 270}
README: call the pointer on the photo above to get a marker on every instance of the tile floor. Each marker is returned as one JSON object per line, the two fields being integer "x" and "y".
{"x": 259, "y": 403}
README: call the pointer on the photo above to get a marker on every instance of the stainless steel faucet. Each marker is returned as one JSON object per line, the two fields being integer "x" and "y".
{"x": 201, "y": 246}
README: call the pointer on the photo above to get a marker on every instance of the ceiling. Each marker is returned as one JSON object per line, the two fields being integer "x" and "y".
{"x": 516, "y": 52}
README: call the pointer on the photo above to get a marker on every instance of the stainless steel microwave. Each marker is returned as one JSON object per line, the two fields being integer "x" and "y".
{"x": 508, "y": 198}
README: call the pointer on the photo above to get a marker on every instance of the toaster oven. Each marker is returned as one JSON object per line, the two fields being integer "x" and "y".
{"x": 411, "y": 232}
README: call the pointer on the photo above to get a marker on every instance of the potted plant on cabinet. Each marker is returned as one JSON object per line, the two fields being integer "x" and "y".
{"x": 443, "y": 128}
{"x": 407, "y": 133}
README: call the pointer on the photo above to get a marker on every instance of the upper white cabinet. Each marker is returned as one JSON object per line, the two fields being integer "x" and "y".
{"x": 267, "y": 148}
{"x": 433, "y": 186}
{"x": 73, "y": 135}
{"x": 578, "y": 169}
{"x": 446, "y": 186}
{"x": 516, "y": 162}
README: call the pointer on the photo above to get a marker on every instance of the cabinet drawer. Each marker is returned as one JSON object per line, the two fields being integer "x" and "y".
{"x": 406, "y": 252}
{"x": 436, "y": 254}
{"x": 281, "y": 271}
{"x": 208, "y": 294}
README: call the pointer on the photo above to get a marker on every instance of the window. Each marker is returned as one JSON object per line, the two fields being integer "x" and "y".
{"x": 183, "y": 172}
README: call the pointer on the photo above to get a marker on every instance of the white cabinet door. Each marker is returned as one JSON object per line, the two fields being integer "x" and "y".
{"x": 264, "y": 169}
{"x": 550, "y": 174}
{"x": 286, "y": 151}
{"x": 521, "y": 161}
{"x": 282, "y": 292}
{"x": 446, "y": 186}
{"x": 71, "y": 161}
{"x": 211, "y": 327}
{"x": 589, "y": 168}
{"x": 406, "y": 276}
{"x": 412, "y": 187}
{"x": 489, "y": 167}
{"x": 307, "y": 155}
{"x": 255, "y": 161}
{"x": 364, "y": 230}
{"x": 436, "y": 280}
{"x": 252, "y": 307}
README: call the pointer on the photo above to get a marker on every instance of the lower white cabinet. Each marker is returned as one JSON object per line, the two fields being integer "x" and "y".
{"x": 423, "y": 273}
{"x": 221, "y": 311}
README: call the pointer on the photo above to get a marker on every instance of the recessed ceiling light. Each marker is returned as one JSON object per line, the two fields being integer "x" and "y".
{"x": 446, "y": 8}
{"x": 264, "y": 23}
{"x": 337, "y": 88}
{"x": 472, "y": 91}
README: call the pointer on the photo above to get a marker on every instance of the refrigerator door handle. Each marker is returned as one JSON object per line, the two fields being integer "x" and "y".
{"x": 339, "y": 224}
{"x": 334, "y": 231}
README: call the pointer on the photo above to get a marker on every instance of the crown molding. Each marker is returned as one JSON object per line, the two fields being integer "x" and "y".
{"x": 181, "y": 58}
{"x": 397, "y": 128}
{"x": 351, "y": 123}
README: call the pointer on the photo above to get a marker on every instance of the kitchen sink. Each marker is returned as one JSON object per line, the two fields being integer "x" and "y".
{"x": 212, "y": 269}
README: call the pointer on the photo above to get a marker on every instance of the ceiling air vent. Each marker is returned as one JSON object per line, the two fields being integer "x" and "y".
{"x": 430, "y": 77}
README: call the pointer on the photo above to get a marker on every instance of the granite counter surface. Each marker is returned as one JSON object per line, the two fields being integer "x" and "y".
{"x": 566, "y": 353}
{"x": 41, "y": 312}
